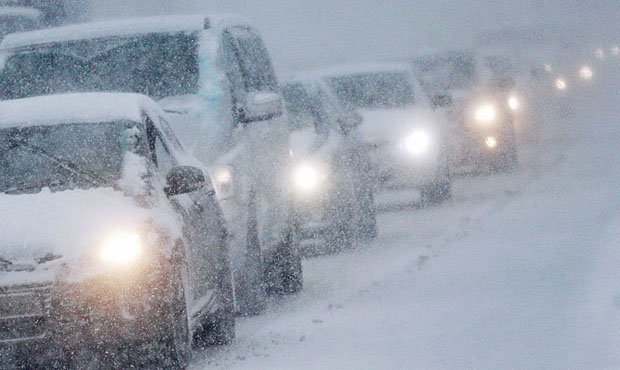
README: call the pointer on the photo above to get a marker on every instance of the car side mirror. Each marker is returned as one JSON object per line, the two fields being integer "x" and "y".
{"x": 260, "y": 106}
{"x": 441, "y": 101}
{"x": 184, "y": 179}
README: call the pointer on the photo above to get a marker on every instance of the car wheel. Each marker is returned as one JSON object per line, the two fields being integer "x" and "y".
{"x": 175, "y": 343}
{"x": 219, "y": 328}
{"x": 367, "y": 222}
{"x": 283, "y": 269}
{"x": 249, "y": 281}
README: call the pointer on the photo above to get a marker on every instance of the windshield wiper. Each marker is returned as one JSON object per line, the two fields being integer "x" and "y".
{"x": 61, "y": 162}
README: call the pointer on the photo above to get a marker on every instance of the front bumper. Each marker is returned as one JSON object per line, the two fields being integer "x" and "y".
{"x": 47, "y": 319}
{"x": 473, "y": 148}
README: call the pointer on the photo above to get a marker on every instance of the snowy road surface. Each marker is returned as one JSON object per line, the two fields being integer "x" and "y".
{"x": 518, "y": 271}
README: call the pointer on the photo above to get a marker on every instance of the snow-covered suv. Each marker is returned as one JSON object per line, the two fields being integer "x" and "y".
{"x": 110, "y": 236}
{"x": 333, "y": 188}
{"x": 214, "y": 77}
{"x": 408, "y": 139}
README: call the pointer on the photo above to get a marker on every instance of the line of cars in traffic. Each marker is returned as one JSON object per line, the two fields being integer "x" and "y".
{"x": 156, "y": 179}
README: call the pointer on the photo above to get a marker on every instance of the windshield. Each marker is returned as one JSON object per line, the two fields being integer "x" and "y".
{"x": 157, "y": 65}
{"x": 374, "y": 90}
{"x": 61, "y": 157}
{"x": 444, "y": 73}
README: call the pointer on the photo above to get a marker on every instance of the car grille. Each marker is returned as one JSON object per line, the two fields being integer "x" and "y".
{"x": 24, "y": 312}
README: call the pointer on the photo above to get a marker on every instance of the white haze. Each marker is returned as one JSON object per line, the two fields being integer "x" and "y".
{"x": 306, "y": 34}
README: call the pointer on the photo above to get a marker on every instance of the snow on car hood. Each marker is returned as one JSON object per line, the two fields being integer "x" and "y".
{"x": 72, "y": 223}
{"x": 388, "y": 125}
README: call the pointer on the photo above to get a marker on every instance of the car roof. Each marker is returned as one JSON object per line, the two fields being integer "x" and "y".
{"x": 75, "y": 108}
{"x": 121, "y": 27}
{"x": 20, "y": 11}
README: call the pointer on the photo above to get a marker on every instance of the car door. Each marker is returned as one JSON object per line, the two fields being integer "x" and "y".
{"x": 202, "y": 233}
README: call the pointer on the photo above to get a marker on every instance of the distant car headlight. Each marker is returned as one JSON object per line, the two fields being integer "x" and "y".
{"x": 121, "y": 248}
{"x": 223, "y": 178}
{"x": 223, "y": 175}
{"x": 599, "y": 53}
{"x": 486, "y": 114}
{"x": 586, "y": 73}
{"x": 514, "y": 103}
{"x": 561, "y": 84}
{"x": 615, "y": 51}
{"x": 491, "y": 142}
{"x": 307, "y": 177}
{"x": 418, "y": 142}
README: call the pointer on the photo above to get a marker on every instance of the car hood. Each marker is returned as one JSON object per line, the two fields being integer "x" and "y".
{"x": 389, "y": 125}
{"x": 71, "y": 224}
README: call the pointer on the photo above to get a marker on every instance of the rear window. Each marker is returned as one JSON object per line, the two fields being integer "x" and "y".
{"x": 374, "y": 90}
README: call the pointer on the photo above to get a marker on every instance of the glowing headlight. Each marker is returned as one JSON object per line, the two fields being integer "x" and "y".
{"x": 490, "y": 141}
{"x": 418, "y": 142}
{"x": 223, "y": 175}
{"x": 560, "y": 84}
{"x": 514, "y": 103}
{"x": 486, "y": 114}
{"x": 121, "y": 249}
{"x": 586, "y": 73}
{"x": 599, "y": 53}
{"x": 615, "y": 51}
{"x": 306, "y": 178}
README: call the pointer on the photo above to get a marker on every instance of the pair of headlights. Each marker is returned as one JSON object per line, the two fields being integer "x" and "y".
{"x": 586, "y": 73}
{"x": 488, "y": 113}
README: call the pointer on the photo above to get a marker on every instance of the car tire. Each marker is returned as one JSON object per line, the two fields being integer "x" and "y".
{"x": 175, "y": 343}
{"x": 219, "y": 327}
{"x": 367, "y": 221}
{"x": 250, "y": 289}
{"x": 283, "y": 269}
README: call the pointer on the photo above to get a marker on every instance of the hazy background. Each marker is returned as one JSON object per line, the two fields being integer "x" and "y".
{"x": 303, "y": 34}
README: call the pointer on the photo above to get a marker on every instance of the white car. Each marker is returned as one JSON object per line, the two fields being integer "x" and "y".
{"x": 484, "y": 106}
{"x": 111, "y": 239}
{"x": 408, "y": 139}
{"x": 213, "y": 75}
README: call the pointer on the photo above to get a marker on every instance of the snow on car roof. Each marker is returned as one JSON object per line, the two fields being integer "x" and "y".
{"x": 74, "y": 108}
{"x": 20, "y": 11}
{"x": 119, "y": 27}
{"x": 350, "y": 69}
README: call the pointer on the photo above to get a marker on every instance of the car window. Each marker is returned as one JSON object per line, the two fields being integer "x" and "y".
{"x": 170, "y": 136}
{"x": 390, "y": 89}
{"x": 159, "y": 152}
{"x": 253, "y": 60}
